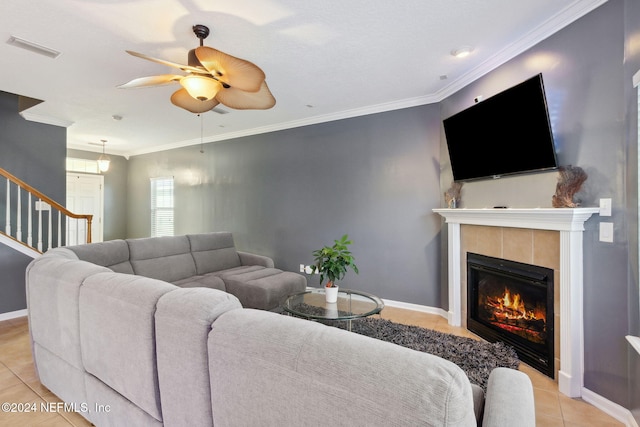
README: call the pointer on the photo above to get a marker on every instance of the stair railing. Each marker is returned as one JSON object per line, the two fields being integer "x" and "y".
{"x": 77, "y": 227}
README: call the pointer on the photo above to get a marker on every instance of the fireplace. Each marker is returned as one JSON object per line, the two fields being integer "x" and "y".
{"x": 512, "y": 302}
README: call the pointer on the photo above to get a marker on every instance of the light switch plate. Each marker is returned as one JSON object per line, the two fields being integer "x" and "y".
{"x": 605, "y": 207}
{"x": 606, "y": 232}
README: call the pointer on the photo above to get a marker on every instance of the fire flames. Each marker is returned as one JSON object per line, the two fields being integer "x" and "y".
{"x": 509, "y": 312}
{"x": 513, "y": 307}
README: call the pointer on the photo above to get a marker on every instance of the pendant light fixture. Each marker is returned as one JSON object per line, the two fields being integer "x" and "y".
{"x": 103, "y": 160}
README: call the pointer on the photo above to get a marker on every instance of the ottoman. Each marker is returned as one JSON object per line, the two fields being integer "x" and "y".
{"x": 263, "y": 288}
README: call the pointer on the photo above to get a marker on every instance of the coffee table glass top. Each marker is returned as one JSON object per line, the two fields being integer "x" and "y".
{"x": 351, "y": 304}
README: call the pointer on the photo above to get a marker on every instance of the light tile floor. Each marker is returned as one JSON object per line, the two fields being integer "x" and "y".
{"x": 553, "y": 409}
{"x": 19, "y": 383}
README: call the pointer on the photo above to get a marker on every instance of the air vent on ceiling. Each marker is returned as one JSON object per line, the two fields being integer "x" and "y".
{"x": 33, "y": 47}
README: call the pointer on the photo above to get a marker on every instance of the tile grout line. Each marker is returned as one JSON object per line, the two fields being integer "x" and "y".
{"x": 40, "y": 396}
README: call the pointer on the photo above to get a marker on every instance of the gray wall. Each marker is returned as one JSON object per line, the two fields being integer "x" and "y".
{"x": 631, "y": 66}
{"x": 582, "y": 67}
{"x": 287, "y": 193}
{"x": 115, "y": 193}
{"x": 35, "y": 153}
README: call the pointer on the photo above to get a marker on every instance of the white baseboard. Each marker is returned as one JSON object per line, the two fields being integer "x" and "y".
{"x": 13, "y": 314}
{"x": 618, "y": 412}
{"x": 416, "y": 307}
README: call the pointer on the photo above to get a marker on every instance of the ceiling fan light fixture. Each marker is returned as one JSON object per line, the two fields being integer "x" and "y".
{"x": 213, "y": 78}
{"x": 200, "y": 87}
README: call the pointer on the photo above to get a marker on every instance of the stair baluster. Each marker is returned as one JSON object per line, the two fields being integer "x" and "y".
{"x": 42, "y": 204}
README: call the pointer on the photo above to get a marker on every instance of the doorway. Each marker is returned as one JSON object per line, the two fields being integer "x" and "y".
{"x": 85, "y": 195}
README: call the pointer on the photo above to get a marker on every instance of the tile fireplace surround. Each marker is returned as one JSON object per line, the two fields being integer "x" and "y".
{"x": 570, "y": 225}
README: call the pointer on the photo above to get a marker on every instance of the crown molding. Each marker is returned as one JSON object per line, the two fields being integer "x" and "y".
{"x": 47, "y": 120}
{"x": 559, "y": 21}
{"x": 346, "y": 114}
{"x": 568, "y": 15}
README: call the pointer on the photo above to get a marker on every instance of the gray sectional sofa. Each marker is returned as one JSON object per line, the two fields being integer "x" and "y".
{"x": 133, "y": 349}
{"x": 208, "y": 260}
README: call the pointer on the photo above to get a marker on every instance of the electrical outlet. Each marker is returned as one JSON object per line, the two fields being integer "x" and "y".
{"x": 307, "y": 269}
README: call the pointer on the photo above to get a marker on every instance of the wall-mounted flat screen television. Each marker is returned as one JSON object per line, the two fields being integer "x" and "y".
{"x": 508, "y": 133}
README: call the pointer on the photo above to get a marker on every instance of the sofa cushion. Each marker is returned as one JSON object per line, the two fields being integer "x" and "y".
{"x": 113, "y": 254}
{"x": 117, "y": 335}
{"x": 213, "y": 252}
{"x": 165, "y": 258}
{"x": 207, "y": 281}
{"x": 287, "y": 370}
{"x": 64, "y": 380}
{"x": 121, "y": 412}
{"x": 183, "y": 322}
{"x": 224, "y": 274}
{"x": 53, "y": 287}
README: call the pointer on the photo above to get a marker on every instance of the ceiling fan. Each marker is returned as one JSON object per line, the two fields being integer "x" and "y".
{"x": 213, "y": 77}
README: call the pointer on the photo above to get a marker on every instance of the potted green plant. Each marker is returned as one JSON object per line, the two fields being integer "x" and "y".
{"x": 332, "y": 263}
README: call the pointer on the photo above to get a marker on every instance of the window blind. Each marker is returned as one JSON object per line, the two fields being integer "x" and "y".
{"x": 161, "y": 207}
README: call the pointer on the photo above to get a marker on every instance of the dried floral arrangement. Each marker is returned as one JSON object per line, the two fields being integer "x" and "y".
{"x": 569, "y": 182}
{"x": 452, "y": 195}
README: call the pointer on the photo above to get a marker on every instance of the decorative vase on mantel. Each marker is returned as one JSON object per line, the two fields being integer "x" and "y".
{"x": 452, "y": 195}
{"x": 570, "y": 180}
{"x": 331, "y": 293}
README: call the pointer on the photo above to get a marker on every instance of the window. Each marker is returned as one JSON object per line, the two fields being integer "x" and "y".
{"x": 82, "y": 165}
{"x": 161, "y": 207}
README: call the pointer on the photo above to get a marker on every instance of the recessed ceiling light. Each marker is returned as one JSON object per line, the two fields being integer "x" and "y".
{"x": 33, "y": 47}
{"x": 462, "y": 51}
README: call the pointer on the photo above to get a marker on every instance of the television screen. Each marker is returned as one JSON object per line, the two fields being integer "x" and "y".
{"x": 508, "y": 133}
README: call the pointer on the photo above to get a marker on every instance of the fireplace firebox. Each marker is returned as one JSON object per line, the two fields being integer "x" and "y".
{"x": 512, "y": 302}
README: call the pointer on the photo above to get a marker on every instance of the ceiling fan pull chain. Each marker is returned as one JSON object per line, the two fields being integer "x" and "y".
{"x": 201, "y": 133}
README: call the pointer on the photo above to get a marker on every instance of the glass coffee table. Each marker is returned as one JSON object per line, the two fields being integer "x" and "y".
{"x": 351, "y": 304}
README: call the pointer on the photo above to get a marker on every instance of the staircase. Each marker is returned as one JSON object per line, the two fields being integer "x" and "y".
{"x": 34, "y": 223}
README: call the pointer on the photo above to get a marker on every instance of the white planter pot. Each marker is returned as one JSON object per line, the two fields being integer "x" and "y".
{"x": 331, "y": 294}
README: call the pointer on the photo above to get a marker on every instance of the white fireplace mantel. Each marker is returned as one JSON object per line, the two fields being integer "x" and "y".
{"x": 570, "y": 224}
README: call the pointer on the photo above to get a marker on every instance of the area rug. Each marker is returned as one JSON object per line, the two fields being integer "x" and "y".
{"x": 476, "y": 358}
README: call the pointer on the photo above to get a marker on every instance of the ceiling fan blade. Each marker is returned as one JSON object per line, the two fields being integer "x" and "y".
{"x": 151, "y": 81}
{"x": 182, "y": 99}
{"x": 242, "y": 100}
{"x": 167, "y": 63}
{"x": 235, "y": 72}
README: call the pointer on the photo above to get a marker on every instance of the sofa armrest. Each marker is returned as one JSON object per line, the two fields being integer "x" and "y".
{"x": 252, "y": 259}
{"x": 509, "y": 397}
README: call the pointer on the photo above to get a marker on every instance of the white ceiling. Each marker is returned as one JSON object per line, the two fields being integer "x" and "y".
{"x": 324, "y": 60}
